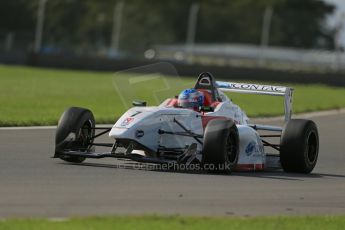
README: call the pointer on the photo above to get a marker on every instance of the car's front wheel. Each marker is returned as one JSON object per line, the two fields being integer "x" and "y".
{"x": 74, "y": 132}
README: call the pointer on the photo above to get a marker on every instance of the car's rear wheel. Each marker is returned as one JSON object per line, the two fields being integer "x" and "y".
{"x": 74, "y": 133}
{"x": 220, "y": 146}
{"x": 299, "y": 146}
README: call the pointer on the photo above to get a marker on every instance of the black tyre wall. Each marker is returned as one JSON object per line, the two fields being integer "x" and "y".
{"x": 216, "y": 141}
{"x": 299, "y": 146}
{"x": 69, "y": 129}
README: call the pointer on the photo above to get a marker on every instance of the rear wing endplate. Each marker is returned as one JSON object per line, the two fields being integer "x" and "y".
{"x": 261, "y": 89}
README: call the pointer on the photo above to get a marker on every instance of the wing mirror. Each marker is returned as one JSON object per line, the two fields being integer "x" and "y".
{"x": 139, "y": 103}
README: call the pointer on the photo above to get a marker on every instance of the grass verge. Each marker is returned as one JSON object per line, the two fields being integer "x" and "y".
{"x": 177, "y": 222}
{"x": 32, "y": 96}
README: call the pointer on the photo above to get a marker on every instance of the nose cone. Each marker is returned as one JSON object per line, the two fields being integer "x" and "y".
{"x": 133, "y": 116}
{"x": 133, "y": 119}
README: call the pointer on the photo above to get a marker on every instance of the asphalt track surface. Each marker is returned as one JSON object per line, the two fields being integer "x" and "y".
{"x": 34, "y": 185}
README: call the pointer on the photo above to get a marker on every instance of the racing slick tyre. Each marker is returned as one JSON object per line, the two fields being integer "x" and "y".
{"x": 299, "y": 146}
{"x": 74, "y": 132}
{"x": 220, "y": 146}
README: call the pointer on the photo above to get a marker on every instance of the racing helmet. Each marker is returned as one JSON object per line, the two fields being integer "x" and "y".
{"x": 190, "y": 98}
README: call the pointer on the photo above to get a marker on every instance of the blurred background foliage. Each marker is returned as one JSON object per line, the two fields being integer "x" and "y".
{"x": 86, "y": 25}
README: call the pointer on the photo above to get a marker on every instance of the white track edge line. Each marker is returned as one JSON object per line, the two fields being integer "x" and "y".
{"x": 45, "y": 127}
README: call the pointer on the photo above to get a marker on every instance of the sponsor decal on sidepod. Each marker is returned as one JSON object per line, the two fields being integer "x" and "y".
{"x": 253, "y": 147}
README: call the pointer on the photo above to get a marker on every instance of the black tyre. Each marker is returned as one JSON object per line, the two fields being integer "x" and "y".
{"x": 74, "y": 132}
{"x": 299, "y": 146}
{"x": 221, "y": 146}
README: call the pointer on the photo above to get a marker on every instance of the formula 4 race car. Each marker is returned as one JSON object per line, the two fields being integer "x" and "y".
{"x": 216, "y": 136}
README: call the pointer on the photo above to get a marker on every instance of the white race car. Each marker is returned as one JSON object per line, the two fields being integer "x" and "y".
{"x": 216, "y": 134}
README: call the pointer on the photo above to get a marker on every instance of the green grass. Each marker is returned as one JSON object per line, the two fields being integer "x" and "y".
{"x": 32, "y": 96}
{"x": 177, "y": 222}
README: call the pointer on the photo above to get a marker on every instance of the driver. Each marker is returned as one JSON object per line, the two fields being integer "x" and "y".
{"x": 191, "y": 99}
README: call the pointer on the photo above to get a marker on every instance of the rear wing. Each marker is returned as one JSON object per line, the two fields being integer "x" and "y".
{"x": 261, "y": 89}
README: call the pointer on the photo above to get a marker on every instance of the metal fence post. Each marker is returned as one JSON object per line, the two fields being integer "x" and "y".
{"x": 39, "y": 25}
